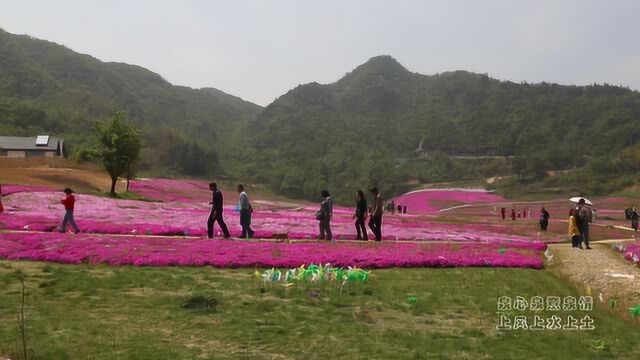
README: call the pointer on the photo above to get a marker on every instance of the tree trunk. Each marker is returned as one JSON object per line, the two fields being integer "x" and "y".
{"x": 113, "y": 186}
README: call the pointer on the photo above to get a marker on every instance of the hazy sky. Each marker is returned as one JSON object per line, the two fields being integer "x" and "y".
{"x": 258, "y": 50}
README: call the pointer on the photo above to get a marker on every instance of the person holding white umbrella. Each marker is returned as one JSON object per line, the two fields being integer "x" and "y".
{"x": 585, "y": 216}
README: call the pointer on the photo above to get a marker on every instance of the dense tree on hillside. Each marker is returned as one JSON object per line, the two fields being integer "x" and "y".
{"x": 118, "y": 148}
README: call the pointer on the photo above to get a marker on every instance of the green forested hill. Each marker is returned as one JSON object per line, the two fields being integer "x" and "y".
{"x": 351, "y": 133}
{"x": 46, "y": 87}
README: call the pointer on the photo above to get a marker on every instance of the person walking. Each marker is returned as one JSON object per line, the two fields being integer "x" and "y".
{"x": 574, "y": 232}
{"x": 544, "y": 219}
{"x": 361, "y": 215}
{"x": 324, "y": 215}
{"x": 503, "y": 213}
{"x": 245, "y": 213}
{"x": 375, "y": 221}
{"x": 217, "y": 204}
{"x": 69, "y": 202}
{"x": 513, "y": 214}
{"x": 584, "y": 217}
{"x": 634, "y": 219}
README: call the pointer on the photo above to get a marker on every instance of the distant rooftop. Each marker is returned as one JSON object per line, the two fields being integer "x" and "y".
{"x": 42, "y": 142}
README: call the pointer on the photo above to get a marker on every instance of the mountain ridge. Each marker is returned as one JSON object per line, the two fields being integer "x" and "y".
{"x": 322, "y": 134}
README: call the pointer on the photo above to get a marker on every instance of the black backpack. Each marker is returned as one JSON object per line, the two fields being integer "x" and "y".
{"x": 578, "y": 216}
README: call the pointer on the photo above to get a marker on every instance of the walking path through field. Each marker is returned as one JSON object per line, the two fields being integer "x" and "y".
{"x": 601, "y": 271}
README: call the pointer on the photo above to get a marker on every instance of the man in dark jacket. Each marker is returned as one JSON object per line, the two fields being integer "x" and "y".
{"x": 375, "y": 220}
{"x": 217, "y": 204}
{"x": 585, "y": 216}
{"x": 544, "y": 219}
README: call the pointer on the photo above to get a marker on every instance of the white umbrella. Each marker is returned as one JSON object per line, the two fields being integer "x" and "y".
{"x": 577, "y": 199}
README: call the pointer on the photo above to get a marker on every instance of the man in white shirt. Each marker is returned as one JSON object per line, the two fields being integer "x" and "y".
{"x": 245, "y": 213}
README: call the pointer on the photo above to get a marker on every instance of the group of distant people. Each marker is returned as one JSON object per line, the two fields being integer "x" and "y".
{"x": 543, "y": 220}
{"x": 217, "y": 208}
{"x": 392, "y": 207}
{"x": 579, "y": 219}
{"x": 515, "y": 214}
{"x": 325, "y": 214}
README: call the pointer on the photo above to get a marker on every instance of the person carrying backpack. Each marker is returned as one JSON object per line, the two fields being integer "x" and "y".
{"x": 583, "y": 219}
{"x": 324, "y": 216}
{"x": 245, "y": 213}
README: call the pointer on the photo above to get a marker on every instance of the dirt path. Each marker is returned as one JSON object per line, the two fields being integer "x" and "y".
{"x": 601, "y": 271}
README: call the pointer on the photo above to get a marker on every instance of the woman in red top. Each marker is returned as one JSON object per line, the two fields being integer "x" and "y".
{"x": 69, "y": 202}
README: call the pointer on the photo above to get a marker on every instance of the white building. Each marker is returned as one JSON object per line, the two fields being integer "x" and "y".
{"x": 30, "y": 147}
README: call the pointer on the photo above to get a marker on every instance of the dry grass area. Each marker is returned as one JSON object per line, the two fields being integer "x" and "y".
{"x": 88, "y": 178}
{"x": 80, "y": 177}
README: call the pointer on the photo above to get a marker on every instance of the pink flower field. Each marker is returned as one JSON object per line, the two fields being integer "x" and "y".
{"x": 631, "y": 252}
{"x": 41, "y": 211}
{"x": 13, "y": 189}
{"x": 180, "y": 208}
{"x": 148, "y": 251}
{"x": 169, "y": 190}
{"x": 430, "y": 201}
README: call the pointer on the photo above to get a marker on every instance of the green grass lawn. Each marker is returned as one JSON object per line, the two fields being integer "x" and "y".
{"x": 99, "y": 312}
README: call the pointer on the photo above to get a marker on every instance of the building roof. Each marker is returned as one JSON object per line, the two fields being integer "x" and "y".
{"x": 28, "y": 143}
